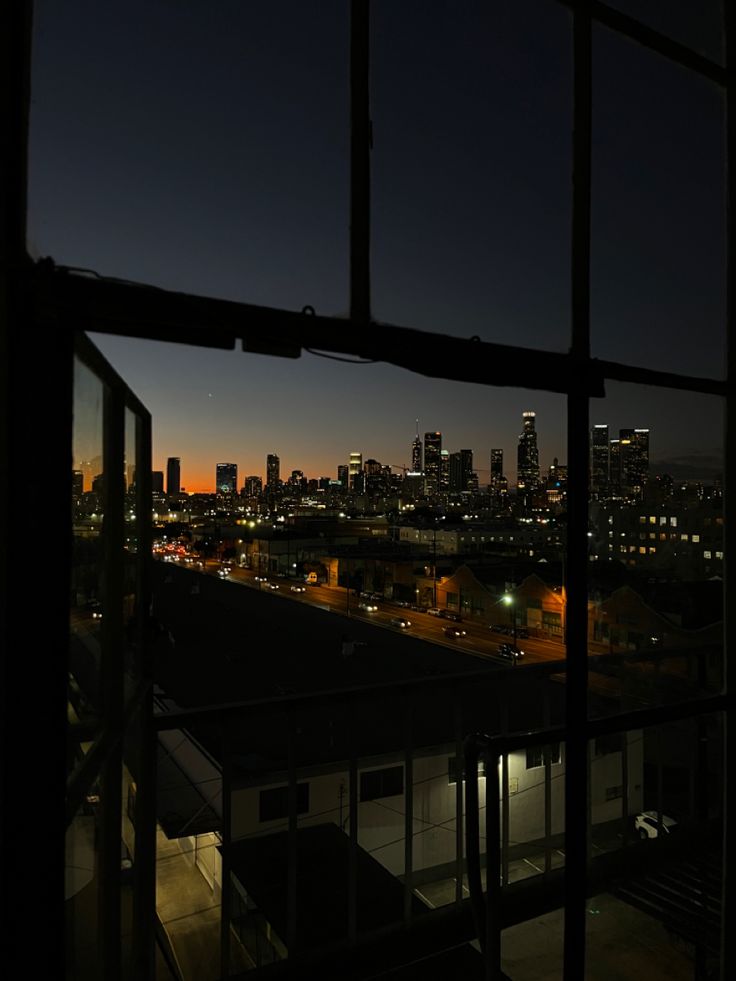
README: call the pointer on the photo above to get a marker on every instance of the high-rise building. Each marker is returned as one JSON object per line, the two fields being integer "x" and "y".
{"x": 173, "y": 475}
{"x": 461, "y": 471}
{"x": 253, "y": 486}
{"x": 226, "y": 478}
{"x": 444, "y": 471}
{"x": 614, "y": 466}
{"x": 432, "y": 451}
{"x": 599, "y": 459}
{"x": 634, "y": 460}
{"x": 416, "y": 453}
{"x": 372, "y": 467}
{"x": 355, "y": 468}
{"x": 527, "y": 464}
{"x": 157, "y": 481}
{"x": 496, "y": 465}
{"x": 342, "y": 474}
{"x": 273, "y": 471}
{"x": 77, "y": 483}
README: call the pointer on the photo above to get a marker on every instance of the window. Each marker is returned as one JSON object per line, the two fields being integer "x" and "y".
{"x": 537, "y": 756}
{"x": 273, "y": 804}
{"x": 375, "y": 784}
{"x": 695, "y": 539}
{"x": 452, "y": 769}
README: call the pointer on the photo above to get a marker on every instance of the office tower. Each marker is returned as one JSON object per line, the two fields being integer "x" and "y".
{"x": 444, "y": 471}
{"x": 355, "y": 468}
{"x": 342, "y": 474}
{"x": 157, "y": 481}
{"x": 173, "y": 475}
{"x": 634, "y": 460}
{"x": 614, "y": 466}
{"x": 416, "y": 453}
{"x": 253, "y": 486}
{"x": 461, "y": 471}
{"x": 77, "y": 483}
{"x": 432, "y": 450}
{"x": 273, "y": 471}
{"x": 372, "y": 467}
{"x": 496, "y": 465}
{"x": 527, "y": 465}
{"x": 599, "y": 459}
{"x": 226, "y": 478}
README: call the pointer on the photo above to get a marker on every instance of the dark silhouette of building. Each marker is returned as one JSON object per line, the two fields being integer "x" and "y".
{"x": 173, "y": 476}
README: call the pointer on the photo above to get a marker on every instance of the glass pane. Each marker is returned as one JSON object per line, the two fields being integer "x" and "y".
{"x": 87, "y": 579}
{"x": 131, "y": 573}
{"x": 217, "y": 165}
{"x": 658, "y": 212}
{"x": 697, "y": 24}
{"x": 661, "y": 903}
{"x": 471, "y": 236}
{"x": 81, "y": 894}
{"x": 655, "y": 616}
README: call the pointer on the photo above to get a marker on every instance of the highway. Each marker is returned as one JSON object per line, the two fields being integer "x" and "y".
{"x": 479, "y": 640}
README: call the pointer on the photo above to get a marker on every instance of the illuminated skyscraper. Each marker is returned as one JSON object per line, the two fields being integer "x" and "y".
{"x": 432, "y": 451}
{"x": 173, "y": 475}
{"x": 527, "y": 465}
{"x": 416, "y": 455}
{"x": 355, "y": 468}
{"x": 496, "y": 465}
{"x": 634, "y": 449}
{"x": 273, "y": 471}
{"x": 599, "y": 458}
{"x": 226, "y": 478}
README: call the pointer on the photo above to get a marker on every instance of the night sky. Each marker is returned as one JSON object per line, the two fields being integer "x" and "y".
{"x": 204, "y": 147}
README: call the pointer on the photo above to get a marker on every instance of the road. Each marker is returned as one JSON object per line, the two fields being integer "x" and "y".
{"x": 479, "y": 640}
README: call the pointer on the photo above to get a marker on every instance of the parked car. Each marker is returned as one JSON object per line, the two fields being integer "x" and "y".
{"x": 401, "y": 622}
{"x": 451, "y": 615}
{"x": 434, "y": 611}
{"x": 509, "y": 652}
{"x": 647, "y": 826}
{"x": 454, "y": 632}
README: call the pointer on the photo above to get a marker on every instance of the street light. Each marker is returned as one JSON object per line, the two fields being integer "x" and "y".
{"x": 509, "y": 601}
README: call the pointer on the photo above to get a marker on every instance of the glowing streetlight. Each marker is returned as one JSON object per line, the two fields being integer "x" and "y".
{"x": 508, "y": 599}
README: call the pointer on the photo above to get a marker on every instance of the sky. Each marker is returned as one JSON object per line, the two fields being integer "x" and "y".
{"x": 205, "y": 148}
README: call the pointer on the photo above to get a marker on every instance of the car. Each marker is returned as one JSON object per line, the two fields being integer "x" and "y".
{"x": 434, "y": 611}
{"x": 261, "y": 578}
{"x": 368, "y": 607}
{"x": 400, "y": 622}
{"x": 451, "y": 615}
{"x": 298, "y": 589}
{"x": 509, "y": 652}
{"x": 647, "y": 826}
{"x": 454, "y": 632}
{"x": 499, "y": 628}
{"x": 273, "y": 585}
{"x": 223, "y": 573}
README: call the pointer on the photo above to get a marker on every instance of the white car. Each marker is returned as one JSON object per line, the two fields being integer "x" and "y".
{"x": 648, "y": 827}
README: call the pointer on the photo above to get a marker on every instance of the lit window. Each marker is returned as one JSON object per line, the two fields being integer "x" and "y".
{"x": 663, "y": 536}
{"x": 684, "y": 538}
{"x": 719, "y": 555}
{"x": 652, "y": 519}
{"x": 652, "y": 536}
{"x": 707, "y": 554}
{"x": 662, "y": 520}
{"x": 642, "y": 550}
{"x": 673, "y": 522}
{"x": 642, "y": 519}
{"x": 652, "y": 550}
{"x": 696, "y": 538}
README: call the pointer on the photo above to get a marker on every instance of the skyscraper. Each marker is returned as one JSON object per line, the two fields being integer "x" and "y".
{"x": 496, "y": 465}
{"x": 444, "y": 471}
{"x": 226, "y": 478}
{"x": 157, "y": 481}
{"x": 342, "y": 474}
{"x": 634, "y": 450}
{"x": 77, "y": 483}
{"x": 173, "y": 475}
{"x": 432, "y": 451}
{"x": 355, "y": 468}
{"x": 599, "y": 458}
{"x": 527, "y": 465}
{"x": 461, "y": 471}
{"x": 253, "y": 486}
{"x": 614, "y": 466}
{"x": 273, "y": 471}
{"x": 416, "y": 454}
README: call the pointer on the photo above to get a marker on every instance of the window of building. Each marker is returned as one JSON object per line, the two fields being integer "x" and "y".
{"x": 537, "y": 756}
{"x": 673, "y": 522}
{"x": 695, "y": 539}
{"x": 707, "y": 554}
{"x": 273, "y": 804}
{"x": 375, "y": 784}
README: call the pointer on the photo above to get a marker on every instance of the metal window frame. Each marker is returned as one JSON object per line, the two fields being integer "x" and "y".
{"x": 58, "y": 302}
